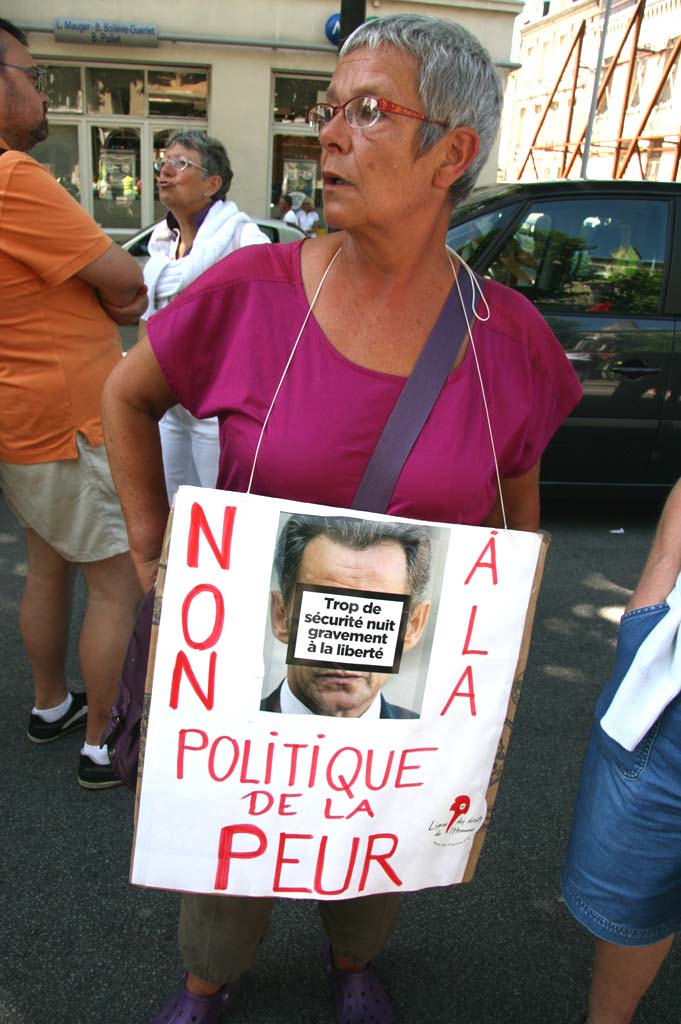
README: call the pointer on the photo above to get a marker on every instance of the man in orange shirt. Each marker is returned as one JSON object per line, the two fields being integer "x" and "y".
{"x": 63, "y": 283}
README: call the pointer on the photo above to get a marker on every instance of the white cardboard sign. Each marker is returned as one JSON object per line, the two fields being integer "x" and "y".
{"x": 243, "y": 801}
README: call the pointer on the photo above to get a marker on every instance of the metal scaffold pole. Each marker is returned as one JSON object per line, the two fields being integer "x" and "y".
{"x": 594, "y": 95}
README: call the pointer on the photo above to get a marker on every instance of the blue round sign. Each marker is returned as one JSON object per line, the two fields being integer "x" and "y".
{"x": 332, "y": 29}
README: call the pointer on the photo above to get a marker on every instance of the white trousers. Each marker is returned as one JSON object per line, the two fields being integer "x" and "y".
{"x": 191, "y": 450}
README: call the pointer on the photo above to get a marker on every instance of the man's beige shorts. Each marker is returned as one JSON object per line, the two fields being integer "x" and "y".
{"x": 72, "y": 504}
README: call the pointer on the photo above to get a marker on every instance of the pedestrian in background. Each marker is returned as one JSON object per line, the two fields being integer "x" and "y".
{"x": 622, "y": 874}
{"x": 308, "y": 219}
{"x": 62, "y": 284}
{"x": 287, "y": 213}
{"x": 201, "y": 227}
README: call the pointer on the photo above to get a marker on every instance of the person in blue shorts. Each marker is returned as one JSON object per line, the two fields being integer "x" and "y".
{"x": 622, "y": 873}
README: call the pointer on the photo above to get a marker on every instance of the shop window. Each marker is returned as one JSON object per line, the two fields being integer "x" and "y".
{"x": 294, "y": 96}
{"x": 63, "y": 87}
{"x": 59, "y": 154}
{"x": 296, "y": 170}
{"x": 296, "y": 153}
{"x": 178, "y": 94}
{"x": 116, "y": 177}
{"x": 115, "y": 91}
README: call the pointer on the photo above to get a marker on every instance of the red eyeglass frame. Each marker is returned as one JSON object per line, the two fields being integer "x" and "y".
{"x": 384, "y": 107}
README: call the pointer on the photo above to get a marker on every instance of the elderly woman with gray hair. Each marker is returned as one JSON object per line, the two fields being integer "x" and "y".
{"x": 411, "y": 114}
{"x": 201, "y": 227}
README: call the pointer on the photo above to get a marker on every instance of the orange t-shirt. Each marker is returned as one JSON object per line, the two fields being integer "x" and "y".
{"x": 57, "y": 345}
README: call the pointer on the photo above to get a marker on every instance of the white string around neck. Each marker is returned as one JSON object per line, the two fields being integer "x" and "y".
{"x": 288, "y": 363}
{"x": 469, "y": 321}
{"x": 476, "y": 288}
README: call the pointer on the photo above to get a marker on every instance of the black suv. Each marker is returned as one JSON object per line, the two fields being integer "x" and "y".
{"x": 601, "y": 260}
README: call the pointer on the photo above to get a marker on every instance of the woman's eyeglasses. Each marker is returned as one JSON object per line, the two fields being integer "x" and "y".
{"x": 37, "y": 75}
{"x": 180, "y": 164}
{"x": 362, "y": 112}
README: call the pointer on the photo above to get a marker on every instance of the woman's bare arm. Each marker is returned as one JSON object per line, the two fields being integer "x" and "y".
{"x": 521, "y": 501}
{"x": 664, "y": 561}
{"x": 135, "y": 397}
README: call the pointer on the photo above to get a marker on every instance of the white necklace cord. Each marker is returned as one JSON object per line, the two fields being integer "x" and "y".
{"x": 476, "y": 288}
{"x": 288, "y": 363}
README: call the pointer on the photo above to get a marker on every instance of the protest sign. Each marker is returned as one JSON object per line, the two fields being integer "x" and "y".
{"x": 331, "y": 697}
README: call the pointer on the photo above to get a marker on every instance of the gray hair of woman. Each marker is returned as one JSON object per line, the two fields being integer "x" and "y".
{"x": 456, "y": 79}
{"x": 214, "y": 159}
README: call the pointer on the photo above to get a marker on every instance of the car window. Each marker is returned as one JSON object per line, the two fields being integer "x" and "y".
{"x": 591, "y": 255}
{"x": 270, "y": 231}
{"x": 140, "y": 247}
{"x": 472, "y": 236}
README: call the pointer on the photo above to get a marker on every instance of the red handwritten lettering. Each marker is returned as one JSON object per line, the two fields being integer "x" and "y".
{"x": 319, "y": 869}
{"x": 364, "y": 807}
{"x": 327, "y": 811}
{"x": 380, "y": 858}
{"x": 340, "y": 783}
{"x": 386, "y": 773}
{"x": 213, "y": 752}
{"x": 227, "y": 853}
{"x": 490, "y": 547}
{"x": 281, "y": 860}
{"x": 295, "y": 749}
{"x": 218, "y": 621}
{"x": 469, "y": 693}
{"x": 268, "y": 762}
{"x": 198, "y": 525}
{"x": 404, "y": 767}
{"x": 313, "y": 764}
{"x": 284, "y": 806}
{"x": 182, "y": 665}
{"x": 471, "y": 623}
{"x": 244, "y": 765}
{"x": 183, "y": 745}
{"x": 254, "y": 800}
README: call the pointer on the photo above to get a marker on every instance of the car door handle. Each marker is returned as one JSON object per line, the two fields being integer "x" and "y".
{"x": 634, "y": 368}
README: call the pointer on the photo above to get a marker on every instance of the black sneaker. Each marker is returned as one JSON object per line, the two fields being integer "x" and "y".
{"x": 96, "y": 776}
{"x": 40, "y": 731}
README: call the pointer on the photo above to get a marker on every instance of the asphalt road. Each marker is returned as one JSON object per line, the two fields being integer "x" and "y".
{"x": 78, "y": 944}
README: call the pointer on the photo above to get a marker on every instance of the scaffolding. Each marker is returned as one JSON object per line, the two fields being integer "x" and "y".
{"x": 623, "y": 147}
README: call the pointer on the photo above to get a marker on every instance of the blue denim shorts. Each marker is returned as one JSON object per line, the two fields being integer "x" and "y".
{"x": 622, "y": 872}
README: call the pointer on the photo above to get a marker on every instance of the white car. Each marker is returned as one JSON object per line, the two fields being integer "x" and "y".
{"x": 276, "y": 231}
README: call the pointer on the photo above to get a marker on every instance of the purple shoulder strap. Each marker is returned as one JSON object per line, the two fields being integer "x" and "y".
{"x": 416, "y": 400}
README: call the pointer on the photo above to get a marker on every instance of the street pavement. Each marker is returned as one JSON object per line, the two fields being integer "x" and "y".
{"x": 78, "y": 944}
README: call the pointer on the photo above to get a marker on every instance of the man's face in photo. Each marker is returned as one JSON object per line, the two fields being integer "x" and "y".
{"x": 382, "y": 567}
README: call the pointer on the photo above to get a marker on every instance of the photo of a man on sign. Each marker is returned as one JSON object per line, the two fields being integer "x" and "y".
{"x": 351, "y": 597}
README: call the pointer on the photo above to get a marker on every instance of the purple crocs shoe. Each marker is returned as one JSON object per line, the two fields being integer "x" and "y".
{"x": 185, "y": 1008}
{"x": 360, "y": 996}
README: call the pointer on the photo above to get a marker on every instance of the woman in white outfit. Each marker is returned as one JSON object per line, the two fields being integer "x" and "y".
{"x": 201, "y": 227}
{"x": 308, "y": 218}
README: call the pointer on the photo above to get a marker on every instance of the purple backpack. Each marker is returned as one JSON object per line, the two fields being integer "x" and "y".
{"x": 122, "y": 735}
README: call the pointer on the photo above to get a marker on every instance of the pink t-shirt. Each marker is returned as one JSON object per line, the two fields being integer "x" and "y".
{"x": 222, "y": 346}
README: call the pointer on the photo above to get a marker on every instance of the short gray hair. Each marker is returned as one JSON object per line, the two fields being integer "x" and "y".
{"x": 456, "y": 79}
{"x": 214, "y": 159}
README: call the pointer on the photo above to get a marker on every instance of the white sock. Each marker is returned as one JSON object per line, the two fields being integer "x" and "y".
{"x": 53, "y": 714}
{"x": 100, "y": 755}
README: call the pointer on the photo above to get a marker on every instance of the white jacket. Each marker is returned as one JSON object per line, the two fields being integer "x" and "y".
{"x": 223, "y": 230}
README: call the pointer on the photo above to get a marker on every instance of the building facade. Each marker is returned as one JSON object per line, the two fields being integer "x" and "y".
{"x": 244, "y": 70}
{"x": 636, "y": 130}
